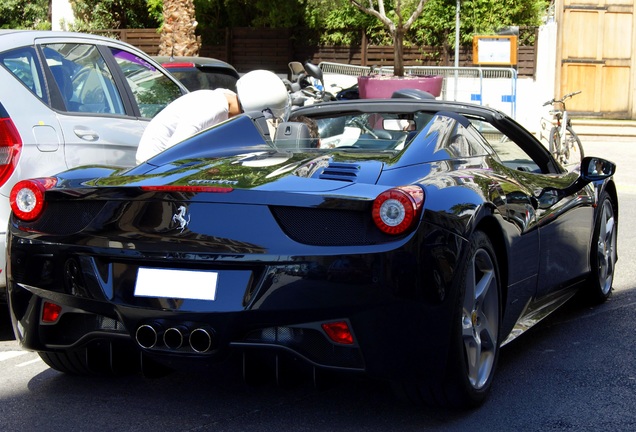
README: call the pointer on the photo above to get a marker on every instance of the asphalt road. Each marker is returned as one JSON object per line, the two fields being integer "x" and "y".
{"x": 574, "y": 371}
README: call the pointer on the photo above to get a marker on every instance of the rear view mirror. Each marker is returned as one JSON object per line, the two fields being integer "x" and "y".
{"x": 398, "y": 125}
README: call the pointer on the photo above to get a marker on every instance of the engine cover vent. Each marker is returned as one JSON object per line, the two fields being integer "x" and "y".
{"x": 341, "y": 172}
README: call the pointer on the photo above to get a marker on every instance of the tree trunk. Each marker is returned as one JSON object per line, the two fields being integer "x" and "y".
{"x": 398, "y": 53}
{"x": 177, "y": 34}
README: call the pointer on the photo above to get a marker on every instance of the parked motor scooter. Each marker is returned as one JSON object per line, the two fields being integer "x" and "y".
{"x": 307, "y": 86}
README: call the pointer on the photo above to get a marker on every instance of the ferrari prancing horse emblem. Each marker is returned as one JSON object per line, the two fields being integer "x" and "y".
{"x": 181, "y": 218}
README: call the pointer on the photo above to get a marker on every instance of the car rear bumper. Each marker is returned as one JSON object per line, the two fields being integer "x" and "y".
{"x": 391, "y": 306}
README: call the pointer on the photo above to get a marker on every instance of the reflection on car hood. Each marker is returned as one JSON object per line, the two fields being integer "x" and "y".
{"x": 261, "y": 169}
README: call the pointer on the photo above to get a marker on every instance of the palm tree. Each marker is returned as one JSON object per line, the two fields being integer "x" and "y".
{"x": 177, "y": 33}
{"x": 397, "y": 26}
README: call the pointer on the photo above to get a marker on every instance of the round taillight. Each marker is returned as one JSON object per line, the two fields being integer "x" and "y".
{"x": 396, "y": 210}
{"x": 27, "y": 197}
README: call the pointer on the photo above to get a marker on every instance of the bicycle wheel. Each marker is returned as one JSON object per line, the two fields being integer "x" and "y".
{"x": 573, "y": 147}
{"x": 554, "y": 142}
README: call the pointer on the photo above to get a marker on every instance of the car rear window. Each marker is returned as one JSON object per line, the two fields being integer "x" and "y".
{"x": 24, "y": 65}
{"x": 196, "y": 79}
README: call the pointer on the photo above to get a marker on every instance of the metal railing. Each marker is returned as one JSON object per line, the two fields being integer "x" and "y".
{"x": 495, "y": 87}
{"x": 344, "y": 69}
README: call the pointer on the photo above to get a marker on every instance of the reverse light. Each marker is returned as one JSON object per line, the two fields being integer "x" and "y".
{"x": 50, "y": 312}
{"x": 339, "y": 332}
{"x": 396, "y": 210}
{"x": 27, "y": 197}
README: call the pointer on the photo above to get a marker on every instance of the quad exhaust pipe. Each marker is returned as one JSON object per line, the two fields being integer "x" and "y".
{"x": 153, "y": 335}
{"x": 147, "y": 335}
{"x": 202, "y": 339}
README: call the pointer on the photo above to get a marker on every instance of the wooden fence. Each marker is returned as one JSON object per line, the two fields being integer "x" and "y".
{"x": 262, "y": 48}
{"x": 146, "y": 40}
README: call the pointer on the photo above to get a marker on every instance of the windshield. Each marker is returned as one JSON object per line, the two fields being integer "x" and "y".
{"x": 417, "y": 137}
{"x": 368, "y": 131}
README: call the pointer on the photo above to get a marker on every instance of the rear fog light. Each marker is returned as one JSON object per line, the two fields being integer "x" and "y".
{"x": 339, "y": 332}
{"x": 50, "y": 312}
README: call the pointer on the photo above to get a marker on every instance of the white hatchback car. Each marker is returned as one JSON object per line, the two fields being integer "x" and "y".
{"x": 71, "y": 99}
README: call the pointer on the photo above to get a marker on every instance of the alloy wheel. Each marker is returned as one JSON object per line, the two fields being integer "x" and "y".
{"x": 480, "y": 318}
{"x": 606, "y": 248}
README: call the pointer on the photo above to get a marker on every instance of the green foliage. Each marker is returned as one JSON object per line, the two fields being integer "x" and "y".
{"x": 481, "y": 17}
{"x": 111, "y": 14}
{"x": 436, "y": 25}
{"x": 276, "y": 13}
{"x": 336, "y": 22}
{"x": 155, "y": 10}
{"x": 214, "y": 16}
{"x": 342, "y": 23}
{"x": 250, "y": 13}
{"x": 24, "y": 14}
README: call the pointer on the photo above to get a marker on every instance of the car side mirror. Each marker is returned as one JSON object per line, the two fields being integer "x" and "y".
{"x": 596, "y": 169}
{"x": 314, "y": 71}
{"x": 592, "y": 169}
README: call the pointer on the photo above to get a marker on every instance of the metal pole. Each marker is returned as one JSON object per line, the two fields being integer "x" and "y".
{"x": 457, "y": 47}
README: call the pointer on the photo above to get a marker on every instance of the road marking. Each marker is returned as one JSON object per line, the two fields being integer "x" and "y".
{"x": 624, "y": 187}
{"x": 6, "y": 355}
{"x": 30, "y": 362}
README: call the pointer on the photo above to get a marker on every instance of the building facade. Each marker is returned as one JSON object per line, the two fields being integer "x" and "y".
{"x": 595, "y": 45}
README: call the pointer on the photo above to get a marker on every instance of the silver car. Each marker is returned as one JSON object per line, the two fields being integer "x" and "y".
{"x": 71, "y": 99}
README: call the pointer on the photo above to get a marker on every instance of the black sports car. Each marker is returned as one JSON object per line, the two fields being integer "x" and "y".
{"x": 408, "y": 242}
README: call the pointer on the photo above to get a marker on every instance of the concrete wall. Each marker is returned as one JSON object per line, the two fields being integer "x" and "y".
{"x": 532, "y": 93}
{"x": 61, "y": 14}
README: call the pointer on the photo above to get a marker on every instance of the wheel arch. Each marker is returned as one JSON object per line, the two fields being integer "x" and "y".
{"x": 610, "y": 188}
{"x": 489, "y": 226}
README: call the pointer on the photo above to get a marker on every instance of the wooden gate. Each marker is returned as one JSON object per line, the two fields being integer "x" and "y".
{"x": 596, "y": 41}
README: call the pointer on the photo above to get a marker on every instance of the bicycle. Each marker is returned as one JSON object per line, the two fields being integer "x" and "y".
{"x": 563, "y": 142}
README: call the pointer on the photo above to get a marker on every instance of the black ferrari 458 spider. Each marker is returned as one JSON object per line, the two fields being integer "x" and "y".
{"x": 408, "y": 242}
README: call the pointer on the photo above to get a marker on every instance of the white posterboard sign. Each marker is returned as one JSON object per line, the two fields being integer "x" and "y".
{"x": 495, "y": 50}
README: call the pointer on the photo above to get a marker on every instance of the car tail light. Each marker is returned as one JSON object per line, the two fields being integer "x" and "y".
{"x": 177, "y": 65}
{"x": 50, "y": 312}
{"x": 10, "y": 147}
{"x": 27, "y": 197}
{"x": 396, "y": 210}
{"x": 339, "y": 332}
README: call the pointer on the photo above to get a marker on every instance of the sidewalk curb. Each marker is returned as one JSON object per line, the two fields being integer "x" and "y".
{"x": 605, "y": 129}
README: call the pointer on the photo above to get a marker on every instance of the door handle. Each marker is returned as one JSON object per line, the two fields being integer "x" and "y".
{"x": 86, "y": 134}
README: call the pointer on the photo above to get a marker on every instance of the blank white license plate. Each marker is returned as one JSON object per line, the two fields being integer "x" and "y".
{"x": 170, "y": 283}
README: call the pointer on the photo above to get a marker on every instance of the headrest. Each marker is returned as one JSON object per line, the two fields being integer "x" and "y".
{"x": 410, "y": 93}
{"x": 292, "y": 135}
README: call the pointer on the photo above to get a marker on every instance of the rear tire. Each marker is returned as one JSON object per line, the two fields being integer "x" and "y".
{"x": 475, "y": 337}
{"x": 603, "y": 252}
{"x": 475, "y": 350}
